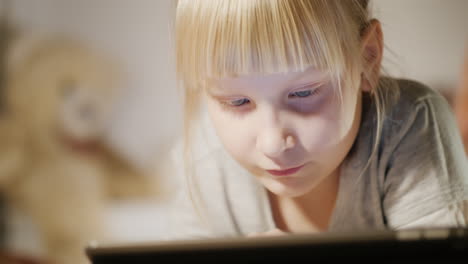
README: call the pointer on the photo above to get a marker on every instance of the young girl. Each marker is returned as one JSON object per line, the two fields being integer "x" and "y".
{"x": 308, "y": 136}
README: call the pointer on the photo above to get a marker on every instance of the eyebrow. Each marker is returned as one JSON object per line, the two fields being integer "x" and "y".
{"x": 299, "y": 81}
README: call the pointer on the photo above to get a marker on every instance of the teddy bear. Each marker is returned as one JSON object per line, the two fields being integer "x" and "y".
{"x": 55, "y": 165}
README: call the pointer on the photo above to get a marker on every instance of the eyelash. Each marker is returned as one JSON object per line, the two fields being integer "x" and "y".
{"x": 244, "y": 101}
{"x": 233, "y": 103}
{"x": 310, "y": 92}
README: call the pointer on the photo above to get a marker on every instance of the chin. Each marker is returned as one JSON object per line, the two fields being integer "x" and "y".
{"x": 289, "y": 189}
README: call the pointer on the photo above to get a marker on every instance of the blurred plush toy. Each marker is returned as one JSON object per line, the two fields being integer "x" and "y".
{"x": 54, "y": 166}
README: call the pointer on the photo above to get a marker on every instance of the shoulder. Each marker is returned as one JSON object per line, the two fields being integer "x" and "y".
{"x": 417, "y": 131}
{"x": 403, "y": 96}
{"x": 412, "y": 113}
{"x": 413, "y": 90}
{"x": 412, "y": 108}
{"x": 420, "y": 163}
{"x": 421, "y": 144}
{"x": 417, "y": 114}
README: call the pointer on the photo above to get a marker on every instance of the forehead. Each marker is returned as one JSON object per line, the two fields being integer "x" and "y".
{"x": 310, "y": 75}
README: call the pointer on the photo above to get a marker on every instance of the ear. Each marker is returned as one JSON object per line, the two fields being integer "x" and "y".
{"x": 372, "y": 53}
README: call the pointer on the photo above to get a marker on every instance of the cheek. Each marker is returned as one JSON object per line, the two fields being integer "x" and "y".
{"x": 317, "y": 135}
{"x": 234, "y": 132}
{"x": 324, "y": 133}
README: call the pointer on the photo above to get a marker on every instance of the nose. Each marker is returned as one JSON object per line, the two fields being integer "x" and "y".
{"x": 274, "y": 138}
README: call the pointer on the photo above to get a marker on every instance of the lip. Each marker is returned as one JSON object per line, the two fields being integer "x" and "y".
{"x": 285, "y": 172}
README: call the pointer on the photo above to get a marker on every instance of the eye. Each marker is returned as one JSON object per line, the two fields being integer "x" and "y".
{"x": 238, "y": 102}
{"x": 312, "y": 90}
{"x": 304, "y": 93}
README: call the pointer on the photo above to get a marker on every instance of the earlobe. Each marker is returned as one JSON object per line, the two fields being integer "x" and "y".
{"x": 372, "y": 52}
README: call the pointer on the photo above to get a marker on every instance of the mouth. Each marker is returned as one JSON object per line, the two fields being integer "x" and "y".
{"x": 285, "y": 172}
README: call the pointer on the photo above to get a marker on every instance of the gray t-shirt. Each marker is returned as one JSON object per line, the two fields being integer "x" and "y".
{"x": 418, "y": 177}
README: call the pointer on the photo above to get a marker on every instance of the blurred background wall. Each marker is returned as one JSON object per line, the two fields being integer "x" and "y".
{"x": 425, "y": 41}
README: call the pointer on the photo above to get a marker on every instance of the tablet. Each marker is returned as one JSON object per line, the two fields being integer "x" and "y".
{"x": 443, "y": 245}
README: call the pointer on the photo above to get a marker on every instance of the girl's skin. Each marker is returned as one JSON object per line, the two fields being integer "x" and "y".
{"x": 274, "y": 123}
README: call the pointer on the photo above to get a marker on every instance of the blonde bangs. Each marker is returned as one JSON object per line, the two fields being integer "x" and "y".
{"x": 218, "y": 39}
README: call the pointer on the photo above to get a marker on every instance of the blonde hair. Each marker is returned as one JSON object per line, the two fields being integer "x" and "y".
{"x": 229, "y": 38}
